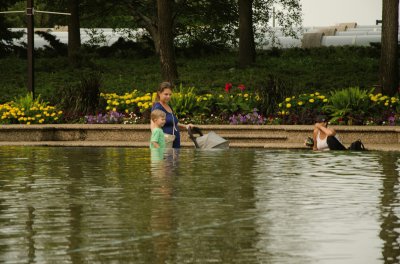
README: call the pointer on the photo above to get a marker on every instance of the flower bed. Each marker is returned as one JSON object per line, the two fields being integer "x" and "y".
{"x": 26, "y": 110}
{"x": 350, "y": 106}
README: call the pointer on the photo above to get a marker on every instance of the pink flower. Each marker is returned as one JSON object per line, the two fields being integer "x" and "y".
{"x": 228, "y": 86}
{"x": 241, "y": 87}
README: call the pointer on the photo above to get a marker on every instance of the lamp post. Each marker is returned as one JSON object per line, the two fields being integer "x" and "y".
{"x": 30, "y": 31}
{"x": 30, "y": 11}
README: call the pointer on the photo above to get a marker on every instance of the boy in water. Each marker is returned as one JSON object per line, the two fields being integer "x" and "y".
{"x": 157, "y": 139}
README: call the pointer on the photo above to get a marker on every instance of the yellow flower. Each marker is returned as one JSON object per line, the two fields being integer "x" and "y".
{"x": 288, "y": 99}
{"x": 325, "y": 100}
{"x": 300, "y": 103}
{"x": 311, "y": 100}
{"x": 154, "y": 96}
{"x": 288, "y": 105}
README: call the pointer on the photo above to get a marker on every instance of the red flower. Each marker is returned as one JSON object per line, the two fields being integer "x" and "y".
{"x": 228, "y": 86}
{"x": 241, "y": 87}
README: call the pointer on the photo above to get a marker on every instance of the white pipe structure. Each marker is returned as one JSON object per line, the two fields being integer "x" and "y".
{"x": 361, "y": 35}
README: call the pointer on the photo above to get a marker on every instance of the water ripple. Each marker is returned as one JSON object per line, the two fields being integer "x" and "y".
{"x": 79, "y": 205}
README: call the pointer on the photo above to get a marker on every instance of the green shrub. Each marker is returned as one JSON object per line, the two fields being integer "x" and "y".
{"x": 184, "y": 102}
{"x": 82, "y": 99}
{"x": 271, "y": 92}
{"x": 350, "y": 105}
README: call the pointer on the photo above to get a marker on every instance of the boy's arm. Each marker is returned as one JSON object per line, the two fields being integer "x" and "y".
{"x": 154, "y": 138}
{"x": 155, "y": 144}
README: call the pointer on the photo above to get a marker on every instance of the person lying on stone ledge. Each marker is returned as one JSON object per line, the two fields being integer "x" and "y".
{"x": 325, "y": 138}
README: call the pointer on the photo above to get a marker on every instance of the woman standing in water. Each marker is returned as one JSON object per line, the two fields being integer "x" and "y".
{"x": 172, "y": 126}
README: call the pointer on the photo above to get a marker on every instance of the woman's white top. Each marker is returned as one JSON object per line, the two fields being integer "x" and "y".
{"x": 322, "y": 144}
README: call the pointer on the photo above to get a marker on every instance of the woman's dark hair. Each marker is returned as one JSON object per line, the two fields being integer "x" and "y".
{"x": 162, "y": 87}
{"x": 321, "y": 119}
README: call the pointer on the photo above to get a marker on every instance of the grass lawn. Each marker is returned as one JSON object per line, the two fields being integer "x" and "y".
{"x": 322, "y": 69}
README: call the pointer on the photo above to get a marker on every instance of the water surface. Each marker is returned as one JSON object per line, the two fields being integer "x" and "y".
{"x": 127, "y": 205}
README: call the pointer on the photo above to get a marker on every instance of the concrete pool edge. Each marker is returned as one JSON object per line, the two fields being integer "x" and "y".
{"x": 386, "y": 138}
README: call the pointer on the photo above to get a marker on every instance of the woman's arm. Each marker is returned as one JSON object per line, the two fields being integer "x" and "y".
{"x": 315, "y": 133}
{"x": 327, "y": 131}
{"x": 182, "y": 126}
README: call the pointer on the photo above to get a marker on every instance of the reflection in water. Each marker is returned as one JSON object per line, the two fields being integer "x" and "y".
{"x": 83, "y": 205}
{"x": 319, "y": 206}
{"x": 389, "y": 208}
{"x": 162, "y": 206}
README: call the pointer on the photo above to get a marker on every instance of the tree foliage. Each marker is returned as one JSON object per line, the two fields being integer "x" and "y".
{"x": 6, "y": 36}
{"x": 194, "y": 21}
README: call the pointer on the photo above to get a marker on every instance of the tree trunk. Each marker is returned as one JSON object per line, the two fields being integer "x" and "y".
{"x": 74, "y": 35}
{"x": 389, "y": 66}
{"x": 169, "y": 70}
{"x": 155, "y": 36}
{"x": 247, "y": 50}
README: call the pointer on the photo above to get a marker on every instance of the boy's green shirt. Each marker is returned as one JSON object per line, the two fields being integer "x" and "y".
{"x": 157, "y": 135}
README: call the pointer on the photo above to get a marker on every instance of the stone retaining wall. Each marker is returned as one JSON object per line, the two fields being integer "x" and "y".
{"x": 238, "y": 135}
